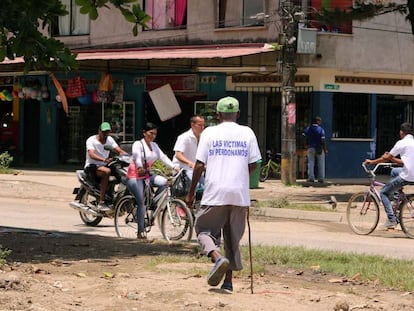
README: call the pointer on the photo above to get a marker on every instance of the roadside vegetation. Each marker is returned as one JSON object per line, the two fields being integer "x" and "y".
{"x": 283, "y": 202}
{"x": 5, "y": 161}
{"x": 341, "y": 267}
{"x": 3, "y": 255}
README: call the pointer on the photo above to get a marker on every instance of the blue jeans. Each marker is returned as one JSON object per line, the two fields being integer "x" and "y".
{"x": 136, "y": 187}
{"x": 312, "y": 156}
{"x": 389, "y": 188}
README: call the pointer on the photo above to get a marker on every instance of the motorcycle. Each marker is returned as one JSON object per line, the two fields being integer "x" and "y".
{"x": 87, "y": 195}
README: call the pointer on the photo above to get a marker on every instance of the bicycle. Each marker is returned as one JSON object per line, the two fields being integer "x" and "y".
{"x": 363, "y": 207}
{"x": 271, "y": 167}
{"x": 174, "y": 217}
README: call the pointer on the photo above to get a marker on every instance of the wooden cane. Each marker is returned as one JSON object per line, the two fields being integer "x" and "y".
{"x": 250, "y": 251}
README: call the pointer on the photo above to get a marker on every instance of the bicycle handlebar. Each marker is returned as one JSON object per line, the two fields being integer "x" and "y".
{"x": 371, "y": 172}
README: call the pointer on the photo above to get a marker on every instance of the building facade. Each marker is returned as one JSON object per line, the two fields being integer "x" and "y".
{"x": 357, "y": 76}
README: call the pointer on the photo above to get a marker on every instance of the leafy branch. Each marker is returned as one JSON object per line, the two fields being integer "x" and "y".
{"x": 24, "y": 26}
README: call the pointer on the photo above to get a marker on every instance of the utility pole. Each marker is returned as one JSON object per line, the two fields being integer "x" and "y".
{"x": 290, "y": 15}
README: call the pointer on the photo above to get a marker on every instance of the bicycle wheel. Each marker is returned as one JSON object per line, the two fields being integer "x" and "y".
{"x": 126, "y": 225}
{"x": 176, "y": 221}
{"x": 406, "y": 216}
{"x": 362, "y": 213}
{"x": 264, "y": 172}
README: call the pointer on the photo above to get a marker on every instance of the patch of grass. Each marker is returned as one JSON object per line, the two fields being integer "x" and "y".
{"x": 394, "y": 273}
{"x": 283, "y": 202}
{"x": 391, "y": 273}
{"x": 6, "y": 170}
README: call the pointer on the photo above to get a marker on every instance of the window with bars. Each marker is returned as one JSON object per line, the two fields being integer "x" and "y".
{"x": 351, "y": 115}
{"x": 240, "y": 13}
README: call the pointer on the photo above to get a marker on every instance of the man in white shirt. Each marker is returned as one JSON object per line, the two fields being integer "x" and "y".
{"x": 185, "y": 147}
{"x": 401, "y": 175}
{"x": 97, "y": 156}
{"x": 229, "y": 153}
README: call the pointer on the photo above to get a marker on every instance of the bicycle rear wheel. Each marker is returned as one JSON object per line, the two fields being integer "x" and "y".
{"x": 126, "y": 225}
{"x": 406, "y": 216}
{"x": 176, "y": 221}
{"x": 362, "y": 213}
{"x": 264, "y": 172}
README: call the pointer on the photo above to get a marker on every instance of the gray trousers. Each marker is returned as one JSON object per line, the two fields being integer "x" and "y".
{"x": 211, "y": 221}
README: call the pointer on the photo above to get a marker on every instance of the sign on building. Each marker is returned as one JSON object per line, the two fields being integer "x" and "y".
{"x": 307, "y": 40}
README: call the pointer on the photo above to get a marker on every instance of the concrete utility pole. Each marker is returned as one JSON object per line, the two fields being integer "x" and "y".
{"x": 290, "y": 15}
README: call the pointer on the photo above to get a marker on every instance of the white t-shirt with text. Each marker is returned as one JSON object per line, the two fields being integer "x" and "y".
{"x": 227, "y": 149}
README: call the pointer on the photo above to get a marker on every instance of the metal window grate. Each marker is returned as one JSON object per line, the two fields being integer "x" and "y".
{"x": 351, "y": 115}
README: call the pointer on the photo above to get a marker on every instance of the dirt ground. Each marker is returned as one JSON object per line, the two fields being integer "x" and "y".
{"x": 61, "y": 271}
{"x": 55, "y": 271}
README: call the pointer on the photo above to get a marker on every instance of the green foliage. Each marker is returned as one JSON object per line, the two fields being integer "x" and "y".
{"x": 392, "y": 273}
{"x": 395, "y": 273}
{"x": 5, "y": 160}
{"x": 158, "y": 165}
{"x": 3, "y": 254}
{"x": 21, "y": 20}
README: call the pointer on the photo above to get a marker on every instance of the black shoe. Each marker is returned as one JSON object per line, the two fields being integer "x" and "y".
{"x": 141, "y": 236}
{"x": 227, "y": 287}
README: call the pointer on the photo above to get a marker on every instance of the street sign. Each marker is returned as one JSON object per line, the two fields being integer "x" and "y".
{"x": 331, "y": 86}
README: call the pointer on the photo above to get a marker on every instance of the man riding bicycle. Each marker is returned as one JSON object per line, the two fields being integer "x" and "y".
{"x": 404, "y": 148}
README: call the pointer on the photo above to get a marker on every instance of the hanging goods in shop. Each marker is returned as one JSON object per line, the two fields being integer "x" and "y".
{"x": 76, "y": 87}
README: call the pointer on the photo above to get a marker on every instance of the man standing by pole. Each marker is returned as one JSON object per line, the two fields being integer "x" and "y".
{"x": 229, "y": 153}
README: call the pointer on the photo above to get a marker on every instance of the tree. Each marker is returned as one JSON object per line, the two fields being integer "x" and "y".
{"x": 21, "y": 22}
{"x": 362, "y": 10}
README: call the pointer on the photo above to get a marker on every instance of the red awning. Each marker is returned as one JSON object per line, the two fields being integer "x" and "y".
{"x": 194, "y": 52}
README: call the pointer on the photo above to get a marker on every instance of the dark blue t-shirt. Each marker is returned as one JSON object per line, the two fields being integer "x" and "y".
{"x": 315, "y": 135}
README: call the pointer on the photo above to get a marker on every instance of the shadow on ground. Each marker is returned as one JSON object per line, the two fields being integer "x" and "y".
{"x": 37, "y": 246}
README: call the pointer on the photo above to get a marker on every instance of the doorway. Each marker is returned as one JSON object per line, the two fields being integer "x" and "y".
{"x": 31, "y": 133}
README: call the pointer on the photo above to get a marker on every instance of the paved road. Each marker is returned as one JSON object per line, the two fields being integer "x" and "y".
{"x": 39, "y": 201}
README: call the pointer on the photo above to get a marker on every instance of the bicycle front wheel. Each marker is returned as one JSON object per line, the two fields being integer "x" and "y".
{"x": 176, "y": 221}
{"x": 126, "y": 224}
{"x": 406, "y": 216}
{"x": 264, "y": 172}
{"x": 362, "y": 213}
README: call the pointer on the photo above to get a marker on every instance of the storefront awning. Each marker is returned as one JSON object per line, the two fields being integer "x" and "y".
{"x": 188, "y": 52}
{"x": 218, "y": 51}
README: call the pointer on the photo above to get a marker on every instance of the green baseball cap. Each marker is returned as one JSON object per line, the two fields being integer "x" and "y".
{"x": 227, "y": 105}
{"x": 105, "y": 126}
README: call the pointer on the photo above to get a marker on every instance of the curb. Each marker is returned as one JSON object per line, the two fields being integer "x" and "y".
{"x": 286, "y": 213}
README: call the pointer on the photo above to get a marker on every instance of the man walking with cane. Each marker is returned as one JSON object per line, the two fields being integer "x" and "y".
{"x": 229, "y": 153}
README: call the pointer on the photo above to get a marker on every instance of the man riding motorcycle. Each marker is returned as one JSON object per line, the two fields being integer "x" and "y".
{"x": 97, "y": 156}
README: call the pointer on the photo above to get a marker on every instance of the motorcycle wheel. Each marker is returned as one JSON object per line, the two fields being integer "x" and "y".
{"x": 88, "y": 219}
{"x": 179, "y": 224}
